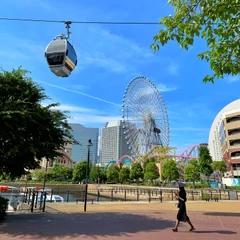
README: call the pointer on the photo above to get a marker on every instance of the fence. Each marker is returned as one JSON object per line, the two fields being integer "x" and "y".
{"x": 32, "y": 200}
{"x": 140, "y": 194}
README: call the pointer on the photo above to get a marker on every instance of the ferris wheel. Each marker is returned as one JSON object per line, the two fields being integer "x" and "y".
{"x": 144, "y": 116}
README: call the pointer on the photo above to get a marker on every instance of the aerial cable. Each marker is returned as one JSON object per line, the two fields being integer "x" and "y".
{"x": 77, "y": 22}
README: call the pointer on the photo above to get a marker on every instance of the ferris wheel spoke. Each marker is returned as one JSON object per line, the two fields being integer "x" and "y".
{"x": 144, "y": 112}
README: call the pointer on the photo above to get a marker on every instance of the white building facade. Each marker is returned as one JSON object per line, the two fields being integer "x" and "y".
{"x": 214, "y": 140}
{"x": 113, "y": 144}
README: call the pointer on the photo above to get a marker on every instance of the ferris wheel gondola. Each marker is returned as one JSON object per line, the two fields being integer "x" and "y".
{"x": 60, "y": 54}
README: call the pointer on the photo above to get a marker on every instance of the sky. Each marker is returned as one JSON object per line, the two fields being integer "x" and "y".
{"x": 109, "y": 57}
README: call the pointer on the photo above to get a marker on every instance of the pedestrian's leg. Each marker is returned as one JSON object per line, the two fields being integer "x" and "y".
{"x": 176, "y": 226}
{"x": 192, "y": 227}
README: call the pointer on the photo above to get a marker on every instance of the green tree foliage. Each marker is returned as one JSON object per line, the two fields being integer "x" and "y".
{"x": 79, "y": 171}
{"x": 38, "y": 174}
{"x": 136, "y": 171}
{"x": 124, "y": 175}
{"x": 60, "y": 172}
{"x": 219, "y": 166}
{"x": 205, "y": 161}
{"x": 151, "y": 172}
{"x": 97, "y": 172}
{"x": 170, "y": 171}
{"x": 29, "y": 131}
{"x": 145, "y": 163}
{"x": 216, "y": 22}
{"x": 113, "y": 173}
{"x": 192, "y": 172}
{"x": 3, "y": 176}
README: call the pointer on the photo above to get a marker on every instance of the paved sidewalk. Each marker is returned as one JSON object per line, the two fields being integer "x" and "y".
{"x": 223, "y": 206}
{"x": 125, "y": 221}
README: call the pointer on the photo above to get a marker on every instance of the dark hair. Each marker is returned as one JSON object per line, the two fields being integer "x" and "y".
{"x": 181, "y": 188}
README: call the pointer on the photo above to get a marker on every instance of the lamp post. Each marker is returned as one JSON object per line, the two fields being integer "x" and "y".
{"x": 87, "y": 168}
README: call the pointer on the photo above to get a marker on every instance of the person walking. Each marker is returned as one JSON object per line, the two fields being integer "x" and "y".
{"x": 182, "y": 212}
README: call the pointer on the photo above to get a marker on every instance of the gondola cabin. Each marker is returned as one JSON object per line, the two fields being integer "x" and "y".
{"x": 61, "y": 57}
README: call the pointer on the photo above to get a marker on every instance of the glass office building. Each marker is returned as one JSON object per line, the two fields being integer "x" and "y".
{"x": 82, "y": 135}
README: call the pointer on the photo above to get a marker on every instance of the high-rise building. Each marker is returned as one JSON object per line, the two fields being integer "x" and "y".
{"x": 113, "y": 144}
{"x": 82, "y": 135}
{"x": 224, "y": 137}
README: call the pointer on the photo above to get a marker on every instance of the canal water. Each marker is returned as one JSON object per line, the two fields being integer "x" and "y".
{"x": 72, "y": 197}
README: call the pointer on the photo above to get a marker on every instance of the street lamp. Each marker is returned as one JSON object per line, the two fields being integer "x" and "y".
{"x": 87, "y": 168}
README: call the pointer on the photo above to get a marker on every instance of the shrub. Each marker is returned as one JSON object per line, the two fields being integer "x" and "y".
{"x": 3, "y": 207}
{"x": 198, "y": 185}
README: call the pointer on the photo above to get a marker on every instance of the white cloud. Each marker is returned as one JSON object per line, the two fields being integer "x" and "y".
{"x": 103, "y": 61}
{"x": 80, "y": 93}
{"x": 173, "y": 69}
{"x": 189, "y": 129}
{"x": 105, "y": 49}
{"x": 232, "y": 79}
{"x": 72, "y": 108}
{"x": 96, "y": 119}
{"x": 164, "y": 88}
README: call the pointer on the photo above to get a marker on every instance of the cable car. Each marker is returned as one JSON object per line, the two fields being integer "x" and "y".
{"x": 61, "y": 56}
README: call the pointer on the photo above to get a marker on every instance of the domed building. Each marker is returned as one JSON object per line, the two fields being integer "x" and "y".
{"x": 224, "y": 138}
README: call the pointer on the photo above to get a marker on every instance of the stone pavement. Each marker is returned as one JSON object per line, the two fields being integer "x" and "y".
{"x": 115, "y": 221}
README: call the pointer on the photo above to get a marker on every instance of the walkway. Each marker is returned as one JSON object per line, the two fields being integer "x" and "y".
{"x": 115, "y": 221}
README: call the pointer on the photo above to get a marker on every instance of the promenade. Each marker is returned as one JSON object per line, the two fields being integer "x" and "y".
{"x": 119, "y": 221}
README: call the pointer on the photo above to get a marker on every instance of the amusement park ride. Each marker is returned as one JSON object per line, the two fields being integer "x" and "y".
{"x": 146, "y": 126}
{"x": 187, "y": 154}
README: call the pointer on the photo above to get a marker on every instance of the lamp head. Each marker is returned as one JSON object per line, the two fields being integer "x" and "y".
{"x": 90, "y": 142}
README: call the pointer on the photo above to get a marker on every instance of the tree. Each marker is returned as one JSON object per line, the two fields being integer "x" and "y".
{"x": 136, "y": 171}
{"x": 97, "y": 173}
{"x": 145, "y": 163}
{"x": 151, "y": 172}
{"x": 79, "y": 171}
{"x": 192, "y": 172}
{"x": 205, "y": 161}
{"x": 113, "y": 173}
{"x": 60, "y": 172}
{"x": 29, "y": 130}
{"x": 170, "y": 171}
{"x": 219, "y": 166}
{"x": 216, "y": 22}
{"x": 124, "y": 175}
{"x": 38, "y": 174}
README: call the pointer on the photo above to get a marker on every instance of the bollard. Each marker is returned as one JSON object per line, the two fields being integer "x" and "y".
{"x": 29, "y": 195}
{"x": 44, "y": 201}
{"x": 36, "y": 199}
{"x": 149, "y": 196}
{"x": 220, "y": 195}
{"x": 192, "y": 196}
{"x": 137, "y": 195}
{"x": 51, "y": 195}
{"x": 161, "y": 195}
{"x": 32, "y": 202}
{"x": 112, "y": 195}
{"x": 67, "y": 195}
{"x": 125, "y": 195}
{"x": 98, "y": 196}
{"x": 172, "y": 194}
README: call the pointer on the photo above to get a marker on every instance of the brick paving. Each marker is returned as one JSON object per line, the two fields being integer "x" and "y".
{"x": 125, "y": 221}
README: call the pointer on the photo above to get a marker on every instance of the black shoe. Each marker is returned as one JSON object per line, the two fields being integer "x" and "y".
{"x": 174, "y": 229}
{"x": 191, "y": 229}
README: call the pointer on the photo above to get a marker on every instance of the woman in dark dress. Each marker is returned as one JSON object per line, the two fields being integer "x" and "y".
{"x": 182, "y": 212}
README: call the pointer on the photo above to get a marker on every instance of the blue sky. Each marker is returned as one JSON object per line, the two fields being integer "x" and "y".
{"x": 109, "y": 56}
